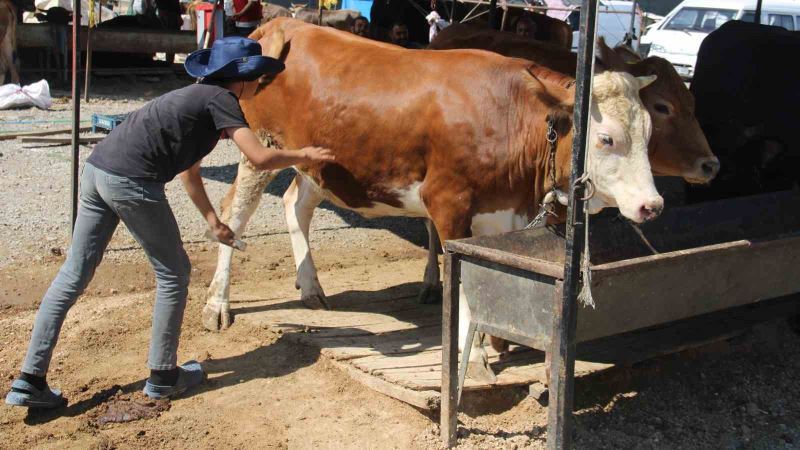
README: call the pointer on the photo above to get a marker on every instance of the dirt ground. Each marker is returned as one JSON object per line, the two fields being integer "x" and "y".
{"x": 265, "y": 391}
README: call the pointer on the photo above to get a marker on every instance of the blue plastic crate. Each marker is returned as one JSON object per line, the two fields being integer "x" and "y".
{"x": 106, "y": 122}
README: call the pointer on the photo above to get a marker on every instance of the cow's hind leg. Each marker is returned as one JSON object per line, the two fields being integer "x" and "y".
{"x": 431, "y": 283}
{"x": 238, "y": 206}
{"x": 299, "y": 202}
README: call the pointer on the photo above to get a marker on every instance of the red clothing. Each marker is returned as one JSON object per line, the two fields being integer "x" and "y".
{"x": 253, "y": 14}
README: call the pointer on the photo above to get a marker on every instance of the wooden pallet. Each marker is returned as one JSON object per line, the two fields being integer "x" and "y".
{"x": 387, "y": 341}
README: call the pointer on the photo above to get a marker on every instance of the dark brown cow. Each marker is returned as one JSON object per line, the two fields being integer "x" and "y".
{"x": 678, "y": 146}
{"x": 8, "y": 37}
{"x": 340, "y": 19}
{"x": 271, "y": 11}
{"x": 470, "y": 154}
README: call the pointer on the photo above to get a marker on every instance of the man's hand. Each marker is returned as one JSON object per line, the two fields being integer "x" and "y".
{"x": 270, "y": 158}
{"x": 317, "y": 154}
{"x": 222, "y": 232}
{"x": 193, "y": 183}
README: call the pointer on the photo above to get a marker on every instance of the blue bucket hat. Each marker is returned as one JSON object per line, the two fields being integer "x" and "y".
{"x": 231, "y": 58}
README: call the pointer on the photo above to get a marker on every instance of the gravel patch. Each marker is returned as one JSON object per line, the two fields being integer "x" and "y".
{"x": 35, "y": 181}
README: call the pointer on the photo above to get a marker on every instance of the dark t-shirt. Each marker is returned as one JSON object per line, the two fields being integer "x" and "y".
{"x": 169, "y": 134}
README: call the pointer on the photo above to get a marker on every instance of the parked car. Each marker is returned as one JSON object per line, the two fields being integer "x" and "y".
{"x": 678, "y": 36}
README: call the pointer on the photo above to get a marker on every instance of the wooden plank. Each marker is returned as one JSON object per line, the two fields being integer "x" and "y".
{"x": 123, "y": 40}
{"x": 4, "y": 137}
{"x": 427, "y": 400}
{"x": 429, "y": 358}
{"x": 403, "y": 342}
{"x": 290, "y": 318}
{"x": 375, "y": 330}
{"x": 340, "y": 325}
{"x": 58, "y": 140}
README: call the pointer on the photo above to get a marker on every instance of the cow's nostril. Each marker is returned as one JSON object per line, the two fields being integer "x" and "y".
{"x": 650, "y": 212}
{"x": 710, "y": 167}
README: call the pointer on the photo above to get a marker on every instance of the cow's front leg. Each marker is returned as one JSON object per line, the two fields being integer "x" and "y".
{"x": 431, "y": 283}
{"x": 452, "y": 218}
{"x": 237, "y": 207}
{"x": 299, "y": 203}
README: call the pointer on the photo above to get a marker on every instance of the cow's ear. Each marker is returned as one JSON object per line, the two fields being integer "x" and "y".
{"x": 562, "y": 121}
{"x": 646, "y": 81}
{"x": 607, "y": 57}
{"x": 627, "y": 54}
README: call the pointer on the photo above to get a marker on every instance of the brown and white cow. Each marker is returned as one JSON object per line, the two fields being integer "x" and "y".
{"x": 470, "y": 154}
{"x": 678, "y": 147}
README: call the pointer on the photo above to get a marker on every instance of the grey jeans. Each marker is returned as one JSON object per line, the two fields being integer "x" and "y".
{"x": 143, "y": 207}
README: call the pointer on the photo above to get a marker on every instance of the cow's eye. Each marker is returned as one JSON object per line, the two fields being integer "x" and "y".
{"x": 661, "y": 108}
{"x": 606, "y": 140}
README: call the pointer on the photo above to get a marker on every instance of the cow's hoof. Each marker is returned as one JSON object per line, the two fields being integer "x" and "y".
{"x": 499, "y": 345}
{"x": 217, "y": 317}
{"x": 481, "y": 372}
{"x": 430, "y": 295}
{"x": 316, "y": 301}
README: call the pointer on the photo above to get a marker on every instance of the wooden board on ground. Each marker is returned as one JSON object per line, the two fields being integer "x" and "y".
{"x": 4, "y": 137}
{"x": 387, "y": 341}
{"x": 59, "y": 140}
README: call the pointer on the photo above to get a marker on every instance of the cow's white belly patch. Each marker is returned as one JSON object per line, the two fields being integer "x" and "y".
{"x": 497, "y": 222}
{"x": 409, "y": 197}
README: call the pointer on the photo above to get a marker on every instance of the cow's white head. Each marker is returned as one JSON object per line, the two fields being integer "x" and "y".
{"x": 617, "y": 148}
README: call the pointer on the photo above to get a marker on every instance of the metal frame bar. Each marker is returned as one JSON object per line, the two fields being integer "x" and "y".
{"x": 565, "y": 312}
{"x": 465, "y": 20}
{"x": 76, "y": 111}
{"x": 467, "y": 17}
{"x": 757, "y": 18}
{"x": 449, "y": 393}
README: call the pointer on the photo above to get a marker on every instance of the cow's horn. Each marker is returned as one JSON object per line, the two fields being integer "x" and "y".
{"x": 645, "y": 81}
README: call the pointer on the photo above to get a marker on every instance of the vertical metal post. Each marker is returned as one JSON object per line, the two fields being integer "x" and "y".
{"x": 565, "y": 313}
{"x": 493, "y": 14}
{"x": 631, "y": 29}
{"x": 88, "y": 74}
{"x": 757, "y": 19}
{"x": 449, "y": 395}
{"x": 76, "y": 108}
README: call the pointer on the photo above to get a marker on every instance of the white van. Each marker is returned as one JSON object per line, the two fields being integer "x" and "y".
{"x": 613, "y": 22}
{"x": 677, "y": 38}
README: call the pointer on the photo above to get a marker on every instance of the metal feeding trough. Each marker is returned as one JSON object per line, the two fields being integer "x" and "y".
{"x": 712, "y": 259}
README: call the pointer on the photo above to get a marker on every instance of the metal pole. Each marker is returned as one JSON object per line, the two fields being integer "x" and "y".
{"x": 449, "y": 396}
{"x": 565, "y": 314}
{"x": 88, "y": 64}
{"x": 76, "y": 108}
{"x": 493, "y": 14}
{"x": 632, "y": 30}
{"x": 758, "y": 12}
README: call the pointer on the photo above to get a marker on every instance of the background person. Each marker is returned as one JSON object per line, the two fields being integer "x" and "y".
{"x": 245, "y": 14}
{"x": 360, "y": 26}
